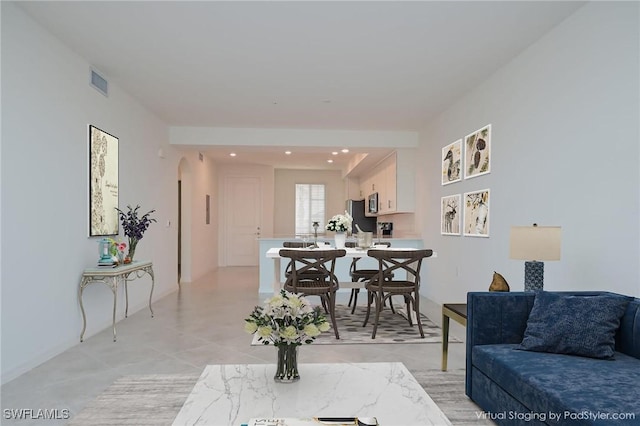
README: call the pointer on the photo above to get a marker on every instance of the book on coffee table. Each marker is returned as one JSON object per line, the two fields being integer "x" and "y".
{"x": 315, "y": 421}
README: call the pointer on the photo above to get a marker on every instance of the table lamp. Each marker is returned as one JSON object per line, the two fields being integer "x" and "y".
{"x": 534, "y": 244}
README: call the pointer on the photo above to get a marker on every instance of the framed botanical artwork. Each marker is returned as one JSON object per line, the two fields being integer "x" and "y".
{"x": 450, "y": 216}
{"x": 476, "y": 213}
{"x": 103, "y": 183}
{"x": 477, "y": 153}
{"x": 452, "y": 162}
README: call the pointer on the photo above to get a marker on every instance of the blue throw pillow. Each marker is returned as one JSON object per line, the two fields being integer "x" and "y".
{"x": 576, "y": 325}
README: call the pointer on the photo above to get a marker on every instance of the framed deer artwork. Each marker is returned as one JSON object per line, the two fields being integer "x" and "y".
{"x": 477, "y": 153}
{"x": 452, "y": 162}
{"x": 476, "y": 213}
{"x": 450, "y": 215}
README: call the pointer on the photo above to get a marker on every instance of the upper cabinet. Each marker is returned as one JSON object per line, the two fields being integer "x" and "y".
{"x": 394, "y": 181}
{"x": 353, "y": 189}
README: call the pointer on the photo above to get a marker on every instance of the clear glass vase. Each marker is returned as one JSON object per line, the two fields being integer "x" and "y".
{"x": 287, "y": 371}
{"x": 133, "y": 243}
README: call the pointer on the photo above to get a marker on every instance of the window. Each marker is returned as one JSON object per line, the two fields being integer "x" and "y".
{"x": 309, "y": 207}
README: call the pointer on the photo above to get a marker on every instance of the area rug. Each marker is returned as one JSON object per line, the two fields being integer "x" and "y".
{"x": 157, "y": 399}
{"x": 392, "y": 328}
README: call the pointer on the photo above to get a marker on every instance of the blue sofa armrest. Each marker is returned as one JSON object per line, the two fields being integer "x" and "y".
{"x": 494, "y": 318}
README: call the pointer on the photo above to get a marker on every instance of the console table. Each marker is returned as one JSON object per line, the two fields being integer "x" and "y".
{"x": 112, "y": 277}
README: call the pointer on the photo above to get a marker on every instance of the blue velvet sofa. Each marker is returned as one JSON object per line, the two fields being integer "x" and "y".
{"x": 517, "y": 387}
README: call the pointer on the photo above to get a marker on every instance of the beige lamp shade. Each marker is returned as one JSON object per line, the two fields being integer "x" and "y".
{"x": 535, "y": 242}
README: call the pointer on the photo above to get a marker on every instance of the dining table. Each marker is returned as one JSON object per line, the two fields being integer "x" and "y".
{"x": 351, "y": 253}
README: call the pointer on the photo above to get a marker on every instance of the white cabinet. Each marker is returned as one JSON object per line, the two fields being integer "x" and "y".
{"x": 388, "y": 191}
{"x": 394, "y": 181}
{"x": 367, "y": 186}
{"x": 397, "y": 192}
{"x": 353, "y": 189}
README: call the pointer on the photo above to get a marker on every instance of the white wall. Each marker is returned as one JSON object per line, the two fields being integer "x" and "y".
{"x": 203, "y": 251}
{"x": 47, "y": 105}
{"x": 565, "y": 119}
{"x": 285, "y": 196}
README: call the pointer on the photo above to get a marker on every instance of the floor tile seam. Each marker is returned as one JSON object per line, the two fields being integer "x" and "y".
{"x": 49, "y": 383}
{"x": 184, "y": 361}
{"x": 174, "y": 351}
{"x": 45, "y": 388}
{"x": 139, "y": 345}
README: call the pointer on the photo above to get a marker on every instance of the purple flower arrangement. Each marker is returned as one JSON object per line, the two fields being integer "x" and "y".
{"x": 134, "y": 226}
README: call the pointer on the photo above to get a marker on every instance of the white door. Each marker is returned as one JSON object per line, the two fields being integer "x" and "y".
{"x": 242, "y": 207}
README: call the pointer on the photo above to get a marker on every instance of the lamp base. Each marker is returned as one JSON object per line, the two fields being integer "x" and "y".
{"x": 533, "y": 276}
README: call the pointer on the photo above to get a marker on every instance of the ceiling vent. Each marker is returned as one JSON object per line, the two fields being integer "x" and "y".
{"x": 99, "y": 83}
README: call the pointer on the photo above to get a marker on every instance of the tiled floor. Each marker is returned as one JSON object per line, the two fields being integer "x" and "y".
{"x": 198, "y": 325}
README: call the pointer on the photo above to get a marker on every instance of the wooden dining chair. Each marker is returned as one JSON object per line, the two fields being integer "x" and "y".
{"x": 379, "y": 289}
{"x": 294, "y": 244}
{"x": 312, "y": 274}
{"x": 361, "y": 275}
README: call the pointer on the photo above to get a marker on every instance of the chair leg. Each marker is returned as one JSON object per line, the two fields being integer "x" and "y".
{"x": 416, "y": 307}
{"x": 407, "y": 302}
{"x": 332, "y": 312}
{"x": 354, "y": 294}
{"x": 369, "y": 301}
{"x": 379, "y": 302}
{"x": 351, "y": 297}
{"x": 324, "y": 304}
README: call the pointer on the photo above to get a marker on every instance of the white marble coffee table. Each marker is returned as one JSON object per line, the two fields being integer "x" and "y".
{"x": 232, "y": 394}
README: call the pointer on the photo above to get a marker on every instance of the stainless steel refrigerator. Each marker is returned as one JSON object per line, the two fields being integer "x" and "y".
{"x": 356, "y": 210}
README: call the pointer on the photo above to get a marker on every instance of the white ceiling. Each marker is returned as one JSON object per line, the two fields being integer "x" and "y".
{"x": 382, "y": 65}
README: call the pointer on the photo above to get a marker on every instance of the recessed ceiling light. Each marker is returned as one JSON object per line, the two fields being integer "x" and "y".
{"x": 345, "y": 150}
{"x": 233, "y": 154}
{"x": 329, "y": 161}
{"x": 334, "y": 153}
{"x": 288, "y": 152}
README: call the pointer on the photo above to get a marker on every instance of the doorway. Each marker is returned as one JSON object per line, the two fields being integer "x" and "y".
{"x": 242, "y": 216}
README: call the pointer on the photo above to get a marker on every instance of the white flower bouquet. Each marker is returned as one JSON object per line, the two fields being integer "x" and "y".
{"x": 340, "y": 223}
{"x": 286, "y": 319}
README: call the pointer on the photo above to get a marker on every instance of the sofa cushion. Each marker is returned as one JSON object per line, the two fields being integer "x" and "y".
{"x": 567, "y": 384}
{"x": 577, "y": 325}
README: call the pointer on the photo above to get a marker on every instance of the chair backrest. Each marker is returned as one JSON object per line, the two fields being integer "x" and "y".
{"x": 355, "y": 260}
{"x": 297, "y": 244}
{"x": 317, "y": 264}
{"x": 390, "y": 261}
